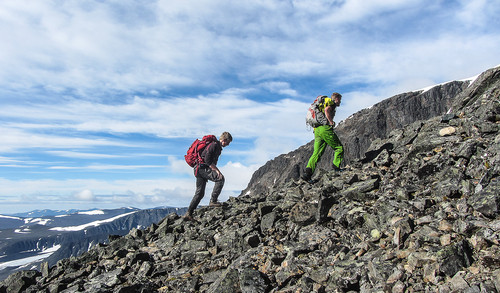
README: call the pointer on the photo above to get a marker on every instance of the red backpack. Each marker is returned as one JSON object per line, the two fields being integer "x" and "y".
{"x": 193, "y": 156}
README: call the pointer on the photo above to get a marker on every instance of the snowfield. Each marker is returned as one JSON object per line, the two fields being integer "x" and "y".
{"x": 10, "y": 217}
{"x": 91, "y": 224}
{"x": 38, "y": 221}
{"x": 22, "y": 231}
{"x": 46, "y": 252}
{"x": 94, "y": 212}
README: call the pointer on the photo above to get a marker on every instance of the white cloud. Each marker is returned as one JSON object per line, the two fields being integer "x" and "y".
{"x": 86, "y": 195}
{"x": 282, "y": 88}
{"x": 179, "y": 165}
{"x": 353, "y": 102}
{"x": 14, "y": 139}
{"x": 237, "y": 176}
{"x": 108, "y": 46}
{"x": 102, "y": 167}
{"x": 148, "y": 116}
{"x": 89, "y": 193}
{"x": 116, "y": 193}
{"x": 474, "y": 12}
{"x": 354, "y": 10}
{"x": 71, "y": 154}
{"x": 4, "y": 161}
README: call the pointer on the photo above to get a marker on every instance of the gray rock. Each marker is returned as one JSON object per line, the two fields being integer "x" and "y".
{"x": 487, "y": 201}
{"x": 267, "y": 221}
{"x": 303, "y": 213}
{"x": 358, "y": 191}
{"x": 227, "y": 282}
{"x": 104, "y": 281}
{"x": 454, "y": 258}
{"x": 19, "y": 281}
{"x": 251, "y": 281}
{"x": 458, "y": 284}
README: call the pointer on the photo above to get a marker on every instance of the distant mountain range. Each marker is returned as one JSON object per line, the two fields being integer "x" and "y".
{"x": 27, "y": 239}
{"x": 44, "y": 213}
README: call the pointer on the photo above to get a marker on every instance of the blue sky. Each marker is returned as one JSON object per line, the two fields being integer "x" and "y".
{"x": 100, "y": 99}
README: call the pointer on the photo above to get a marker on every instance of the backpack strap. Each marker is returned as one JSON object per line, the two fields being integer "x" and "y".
{"x": 321, "y": 103}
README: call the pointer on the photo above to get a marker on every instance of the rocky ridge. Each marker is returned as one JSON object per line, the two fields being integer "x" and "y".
{"x": 358, "y": 131}
{"x": 418, "y": 213}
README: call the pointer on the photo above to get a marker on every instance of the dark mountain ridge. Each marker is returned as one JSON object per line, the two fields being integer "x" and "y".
{"x": 419, "y": 212}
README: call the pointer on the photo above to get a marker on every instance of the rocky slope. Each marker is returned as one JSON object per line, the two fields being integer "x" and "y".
{"x": 419, "y": 213}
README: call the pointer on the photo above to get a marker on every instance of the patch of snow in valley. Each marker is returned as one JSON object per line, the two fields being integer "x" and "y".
{"x": 91, "y": 224}
{"x": 22, "y": 231}
{"x": 24, "y": 261}
{"x": 39, "y": 221}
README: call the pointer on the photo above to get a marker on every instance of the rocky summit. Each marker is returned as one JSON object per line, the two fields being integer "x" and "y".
{"x": 419, "y": 212}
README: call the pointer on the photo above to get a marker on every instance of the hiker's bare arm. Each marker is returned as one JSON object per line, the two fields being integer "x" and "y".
{"x": 329, "y": 114}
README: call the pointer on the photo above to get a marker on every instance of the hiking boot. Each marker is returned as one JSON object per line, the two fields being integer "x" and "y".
{"x": 337, "y": 169}
{"x": 215, "y": 204}
{"x": 306, "y": 176}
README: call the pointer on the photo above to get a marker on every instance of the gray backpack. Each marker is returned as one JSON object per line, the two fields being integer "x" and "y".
{"x": 315, "y": 117}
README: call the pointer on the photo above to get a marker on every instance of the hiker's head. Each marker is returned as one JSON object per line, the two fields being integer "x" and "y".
{"x": 225, "y": 139}
{"x": 336, "y": 97}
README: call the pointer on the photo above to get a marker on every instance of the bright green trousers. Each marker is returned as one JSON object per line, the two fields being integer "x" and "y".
{"x": 324, "y": 135}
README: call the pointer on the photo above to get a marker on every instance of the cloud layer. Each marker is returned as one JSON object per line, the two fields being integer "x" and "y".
{"x": 100, "y": 99}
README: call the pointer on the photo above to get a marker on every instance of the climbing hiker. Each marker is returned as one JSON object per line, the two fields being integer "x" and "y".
{"x": 322, "y": 111}
{"x": 205, "y": 168}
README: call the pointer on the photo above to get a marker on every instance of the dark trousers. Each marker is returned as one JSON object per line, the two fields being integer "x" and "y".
{"x": 202, "y": 176}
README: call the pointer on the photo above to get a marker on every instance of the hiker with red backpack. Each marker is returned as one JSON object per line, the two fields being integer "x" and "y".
{"x": 203, "y": 156}
{"x": 320, "y": 117}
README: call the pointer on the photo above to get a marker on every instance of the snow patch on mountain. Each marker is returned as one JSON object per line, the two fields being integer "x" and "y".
{"x": 46, "y": 252}
{"x": 93, "y": 212}
{"x": 470, "y": 80}
{"x": 91, "y": 224}
{"x": 22, "y": 231}
{"x": 10, "y": 217}
{"x": 38, "y": 221}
